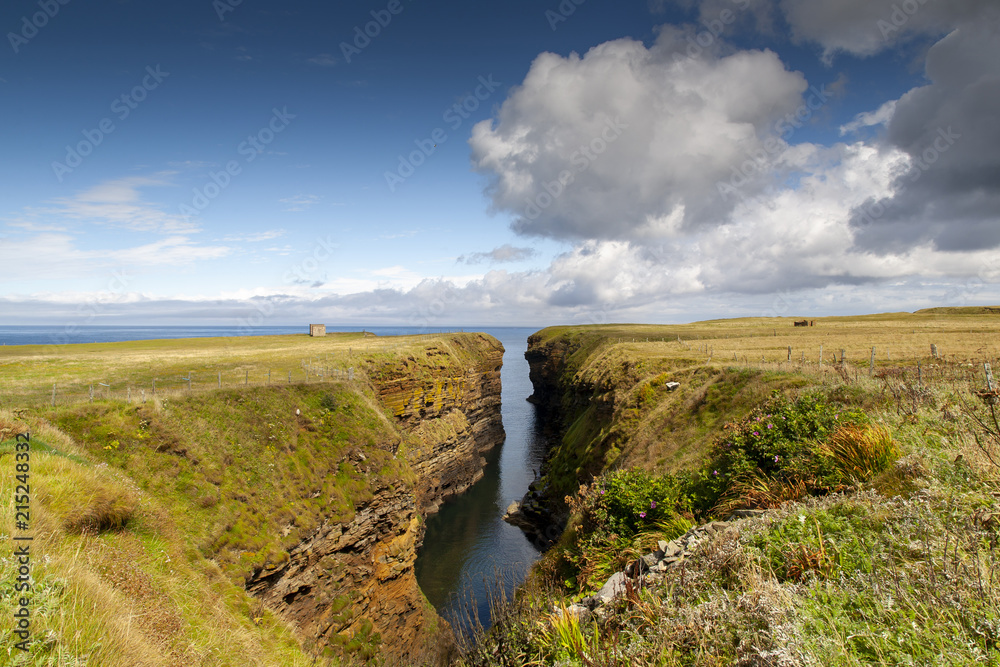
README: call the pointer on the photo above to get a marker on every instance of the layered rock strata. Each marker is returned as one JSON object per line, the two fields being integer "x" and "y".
{"x": 353, "y": 584}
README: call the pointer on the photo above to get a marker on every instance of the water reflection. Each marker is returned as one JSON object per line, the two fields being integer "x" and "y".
{"x": 467, "y": 545}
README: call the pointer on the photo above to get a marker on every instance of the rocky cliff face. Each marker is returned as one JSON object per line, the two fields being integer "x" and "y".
{"x": 353, "y": 585}
{"x": 451, "y": 413}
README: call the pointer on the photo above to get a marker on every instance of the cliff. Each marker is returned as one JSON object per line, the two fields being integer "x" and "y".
{"x": 354, "y": 584}
{"x": 297, "y": 508}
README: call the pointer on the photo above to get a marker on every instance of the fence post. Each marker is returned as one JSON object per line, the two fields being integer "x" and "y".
{"x": 289, "y": 377}
{"x": 934, "y": 351}
{"x": 154, "y": 386}
{"x": 128, "y": 394}
{"x": 268, "y": 376}
{"x": 789, "y": 353}
{"x": 246, "y": 378}
{"x": 190, "y": 373}
{"x": 91, "y": 393}
{"x": 871, "y": 364}
{"x": 920, "y": 374}
{"x": 986, "y": 367}
{"x": 842, "y": 351}
{"x": 143, "y": 395}
{"x": 821, "y": 356}
{"x": 220, "y": 379}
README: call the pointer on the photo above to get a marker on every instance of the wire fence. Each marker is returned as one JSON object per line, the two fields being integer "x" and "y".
{"x": 151, "y": 386}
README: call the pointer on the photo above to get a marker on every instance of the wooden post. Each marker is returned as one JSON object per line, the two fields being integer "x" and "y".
{"x": 289, "y": 377}
{"x": 841, "y": 356}
{"x": 871, "y": 365}
{"x": 220, "y": 379}
{"x": 789, "y": 352}
{"x": 934, "y": 351}
{"x": 91, "y": 393}
{"x": 143, "y": 395}
{"x": 986, "y": 366}
{"x": 128, "y": 394}
{"x": 821, "y": 356}
{"x": 190, "y": 373}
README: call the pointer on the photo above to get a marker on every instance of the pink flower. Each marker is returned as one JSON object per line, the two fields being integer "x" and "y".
{"x": 715, "y": 473}
{"x": 756, "y": 433}
{"x": 652, "y": 505}
{"x": 642, "y": 515}
{"x": 775, "y": 458}
{"x": 770, "y": 425}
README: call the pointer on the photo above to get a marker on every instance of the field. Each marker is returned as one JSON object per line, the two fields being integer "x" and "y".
{"x": 140, "y": 370}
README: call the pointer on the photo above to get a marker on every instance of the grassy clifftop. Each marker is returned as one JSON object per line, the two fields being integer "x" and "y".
{"x": 869, "y": 495}
{"x": 150, "y": 516}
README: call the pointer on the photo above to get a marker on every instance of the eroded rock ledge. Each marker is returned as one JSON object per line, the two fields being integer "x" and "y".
{"x": 354, "y": 583}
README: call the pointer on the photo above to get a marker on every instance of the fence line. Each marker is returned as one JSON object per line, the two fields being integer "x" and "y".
{"x": 173, "y": 385}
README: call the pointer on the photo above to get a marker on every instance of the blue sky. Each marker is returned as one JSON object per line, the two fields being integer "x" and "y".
{"x": 505, "y": 163}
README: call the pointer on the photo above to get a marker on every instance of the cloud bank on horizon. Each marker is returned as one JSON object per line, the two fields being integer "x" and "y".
{"x": 695, "y": 173}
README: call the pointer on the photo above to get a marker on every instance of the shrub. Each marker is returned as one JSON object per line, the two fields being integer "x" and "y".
{"x": 859, "y": 452}
{"x": 627, "y": 501}
{"x": 774, "y": 453}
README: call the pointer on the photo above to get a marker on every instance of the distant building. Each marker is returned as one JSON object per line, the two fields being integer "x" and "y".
{"x": 317, "y": 330}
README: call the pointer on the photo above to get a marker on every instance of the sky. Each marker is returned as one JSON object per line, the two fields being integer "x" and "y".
{"x": 533, "y": 162}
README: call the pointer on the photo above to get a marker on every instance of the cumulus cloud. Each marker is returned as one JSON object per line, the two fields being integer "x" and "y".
{"x": 119, "y": 203}
{"x": 505, "y": 253}
{"x": 632, "y": 142}
{"x": 948, "y": 195}
{"x": 866, "y": 27}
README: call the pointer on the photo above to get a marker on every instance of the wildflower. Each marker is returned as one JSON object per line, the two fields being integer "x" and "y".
{"x": 602, "y": 492}
{"x": 756, "y": 433}
{"x": 642, "y": 515}
{"x": 715, "y": 473}
{"x": 775, "y": 458}
{"x": 652, "y": 505}
{"x": 770, "y": 425}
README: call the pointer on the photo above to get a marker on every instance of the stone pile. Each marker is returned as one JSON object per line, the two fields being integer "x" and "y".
{"x": 668, "y": 555}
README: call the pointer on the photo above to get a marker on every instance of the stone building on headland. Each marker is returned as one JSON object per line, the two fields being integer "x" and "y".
{"x": 317, "y": 330}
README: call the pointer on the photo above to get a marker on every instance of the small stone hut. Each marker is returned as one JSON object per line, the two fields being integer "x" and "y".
{"x": 317, "y": 330}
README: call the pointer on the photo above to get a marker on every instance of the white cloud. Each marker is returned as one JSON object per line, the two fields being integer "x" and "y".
{"x": 299, "y": 202}
{"x": 880, "y": 116}
{"x": 504, "y": 253}
{"x": 118, "y": 203}
{"x": 646, "y": 134}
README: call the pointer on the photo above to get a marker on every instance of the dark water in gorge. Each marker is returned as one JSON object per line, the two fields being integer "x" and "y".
{"x": 467, "y": 546}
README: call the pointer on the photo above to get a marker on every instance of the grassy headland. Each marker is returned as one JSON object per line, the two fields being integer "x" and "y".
{"x": 874, "y": 493}
{"x": 149, "y": 513}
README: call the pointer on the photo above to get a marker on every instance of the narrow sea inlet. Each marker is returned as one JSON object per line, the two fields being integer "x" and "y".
{"x": 468, "y": 549}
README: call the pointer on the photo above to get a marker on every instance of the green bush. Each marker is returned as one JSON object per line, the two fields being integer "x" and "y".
{"x": 628, "y": 501}
{"x": 778, "y": 442}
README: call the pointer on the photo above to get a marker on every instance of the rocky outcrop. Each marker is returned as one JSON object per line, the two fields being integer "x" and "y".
{"x": 355, "y": 582}
{"x": 352, "y": 585}
{"x": 451, "y": 413}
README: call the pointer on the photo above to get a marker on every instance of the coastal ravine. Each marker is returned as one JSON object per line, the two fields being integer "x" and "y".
{"x": 467, "y": 547}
